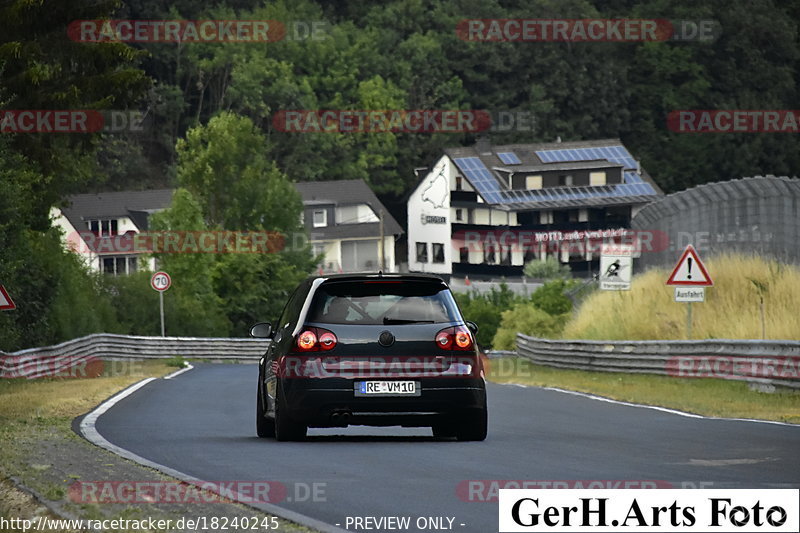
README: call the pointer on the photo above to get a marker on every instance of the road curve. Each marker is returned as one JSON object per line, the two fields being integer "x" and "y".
{"x": 201, "y": 423}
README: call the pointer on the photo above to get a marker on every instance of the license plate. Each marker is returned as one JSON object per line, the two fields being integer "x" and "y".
{"x": 387, "y": 388}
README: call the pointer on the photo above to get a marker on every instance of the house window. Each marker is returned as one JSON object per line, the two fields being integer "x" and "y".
{"x": 459, "y": 183}
{"x": 318, "y": 250}
{"x": 505, "y": 255}
{"x": 355, "y": 214}
{"x": 120, "y": 265}
{"x": 489, "y": 255}
{"x": 103, "y": 228}
{"x": 438, "y": 252}
{"x": 320, "y": 218}
{"x": 597, "y": 178}
{"x": 565, "y": 180}
{"x": 422, "y": 252}
{"x": 459, "y": 215}
{"x": 463, "y": 253}
{"x": 359, "y": 256}
{"x": 533, "y": 182}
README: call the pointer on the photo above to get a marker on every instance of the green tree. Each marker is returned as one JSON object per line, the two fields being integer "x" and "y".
{"x": 191, "y": 305}
{"x": 551, "y": 299}
{"x": 225, "y": 168}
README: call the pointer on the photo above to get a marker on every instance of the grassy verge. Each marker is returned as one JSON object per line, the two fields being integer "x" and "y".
{"x": 710, "y": 397}
{"x": 732, "y": 310}
{"x": 23, "y": 400}
{"x": 40, "y": 449}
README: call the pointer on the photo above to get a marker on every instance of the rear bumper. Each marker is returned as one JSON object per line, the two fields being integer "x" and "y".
{"x": 314, "y": 402}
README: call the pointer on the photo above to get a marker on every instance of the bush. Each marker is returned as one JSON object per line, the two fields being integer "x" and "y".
{"x": 136, "y": 303}
{"x": 485, "y": 308}
{"x": 530, "y": 320}
{"x": 550, "y": 268}
{"x": 551, "y": 299}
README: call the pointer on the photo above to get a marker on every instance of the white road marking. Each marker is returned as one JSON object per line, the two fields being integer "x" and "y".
{"x": 89, "y": 431}
{"x": 653, "y": 407}
{"x": 177, "y": 373}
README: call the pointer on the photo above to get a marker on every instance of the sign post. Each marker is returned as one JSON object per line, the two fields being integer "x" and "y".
{"x": 6, "y": 303}
{"x": 161, "y": 282}
{"x": 616, "y": 267}
{"x": 690, "y": 279}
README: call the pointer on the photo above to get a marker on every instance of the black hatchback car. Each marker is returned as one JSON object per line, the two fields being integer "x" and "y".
{"x": 377, "y": 350}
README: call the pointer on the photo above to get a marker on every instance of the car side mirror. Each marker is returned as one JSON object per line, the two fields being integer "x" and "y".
{"x": 262, "y": 330}
{"x": 473, "y": 327}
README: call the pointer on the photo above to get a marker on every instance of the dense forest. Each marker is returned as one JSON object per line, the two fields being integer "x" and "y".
{"x": 209, "y": 127}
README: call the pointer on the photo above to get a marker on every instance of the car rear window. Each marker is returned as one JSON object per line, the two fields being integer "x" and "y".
{"x": 383, "y": 302}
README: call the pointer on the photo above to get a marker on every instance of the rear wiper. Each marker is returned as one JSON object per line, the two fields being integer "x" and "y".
{"x": 387, "y": 320}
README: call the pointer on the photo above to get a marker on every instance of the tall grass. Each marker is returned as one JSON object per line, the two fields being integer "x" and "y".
{"x": 731, "y": 310}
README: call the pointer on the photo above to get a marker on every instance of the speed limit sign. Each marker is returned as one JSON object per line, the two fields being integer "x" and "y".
{"x": 160, "y": 281}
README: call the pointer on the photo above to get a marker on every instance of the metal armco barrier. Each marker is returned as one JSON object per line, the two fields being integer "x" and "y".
{"x": 766, "y": 363}
{"x": 48, "y": 360}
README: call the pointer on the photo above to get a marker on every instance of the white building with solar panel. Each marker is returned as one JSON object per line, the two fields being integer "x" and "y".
{"x": 486, "y": 211}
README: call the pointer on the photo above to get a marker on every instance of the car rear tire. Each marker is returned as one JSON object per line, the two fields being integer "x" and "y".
{"x": 286, "y": 429}
{"x": 474, "y": 428}
{"x": 265, "y": 427}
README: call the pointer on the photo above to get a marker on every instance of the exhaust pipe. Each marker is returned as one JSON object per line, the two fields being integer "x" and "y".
{"x": 345, "y": 418}
{"x": 335, "y": 418}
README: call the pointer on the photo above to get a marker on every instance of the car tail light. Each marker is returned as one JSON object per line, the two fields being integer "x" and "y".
{"x": 455, "y": 338}
{"x": 327, "y": 340}
{"x": 315, "y": 340}
{"x": 463, "y": 340}
{"x": 307, "y": 341}
{"x": 444, "y": 339}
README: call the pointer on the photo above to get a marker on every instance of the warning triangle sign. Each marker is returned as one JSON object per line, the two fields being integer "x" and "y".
{"x": 690, "y": 270}
{"x": 6, "y": 303}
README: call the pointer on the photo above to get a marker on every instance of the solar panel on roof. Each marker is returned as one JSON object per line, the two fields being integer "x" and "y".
{"x": 492, "y": 192}
{"x": 616, "y": 154}
{"x": 509, "y": 158}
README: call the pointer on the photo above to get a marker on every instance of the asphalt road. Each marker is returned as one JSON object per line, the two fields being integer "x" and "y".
{"x": 202, "y": 424}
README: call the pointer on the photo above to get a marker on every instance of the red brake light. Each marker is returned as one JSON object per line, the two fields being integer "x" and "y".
{"x": 455, "y": 338}
{"x": 444, "y": 340}
{"x": 327, "y": 340}
{"x": 463, "y": 339}
{"x": 316, "y": 340}
{"x": 307, "y": 341}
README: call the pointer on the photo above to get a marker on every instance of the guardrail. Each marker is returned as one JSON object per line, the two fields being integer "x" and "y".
{"x": 765, "y": 364}
{"x": 53, "y": 360}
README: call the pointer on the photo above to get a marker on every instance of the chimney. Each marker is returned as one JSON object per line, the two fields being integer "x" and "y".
{"x": 558, "y": 138}
{"x": 483, "y": 145}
